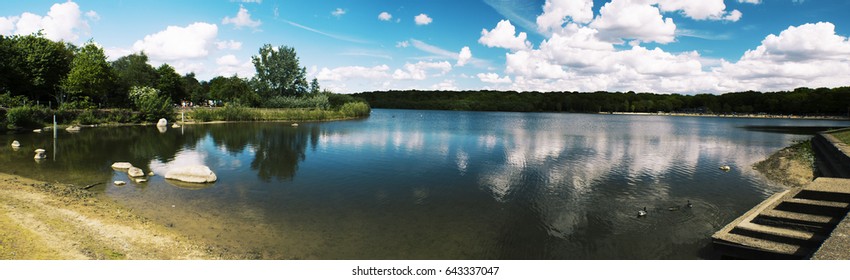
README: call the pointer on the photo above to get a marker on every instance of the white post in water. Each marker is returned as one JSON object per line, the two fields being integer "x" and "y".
{"x": 54, "y": 126}
{"x": 182, "y": 117}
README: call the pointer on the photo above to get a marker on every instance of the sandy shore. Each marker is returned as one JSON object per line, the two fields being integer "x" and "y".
{"x": 792, "y": 166}
{"x": 40, "y": 220}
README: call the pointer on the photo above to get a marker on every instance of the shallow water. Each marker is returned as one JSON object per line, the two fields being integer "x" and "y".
{"x": 408, "y": 184}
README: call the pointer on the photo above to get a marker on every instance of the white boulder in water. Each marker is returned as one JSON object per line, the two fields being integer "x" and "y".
{"x": 175, "y": 126}
{"x": 121, "y": 165}
{"x": 73, "y": 129}
{"x": 16, "y": 144}
{"x": 135, "y": 172}
{"x": 162, "y": 122}
{"x": 39, "y": 154}
{"x": 191, "y": 174}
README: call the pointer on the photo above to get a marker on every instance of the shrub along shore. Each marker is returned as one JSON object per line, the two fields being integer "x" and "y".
{"x": 29, "y": 116}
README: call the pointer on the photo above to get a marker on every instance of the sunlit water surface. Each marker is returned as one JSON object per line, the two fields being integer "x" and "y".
{"x": 407, "y": 184}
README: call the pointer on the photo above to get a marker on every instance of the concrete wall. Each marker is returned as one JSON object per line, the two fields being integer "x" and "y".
{"x": 832, "y": 156}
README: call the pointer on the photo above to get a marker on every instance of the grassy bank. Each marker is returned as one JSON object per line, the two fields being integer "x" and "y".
{"x": 844, "y": 136}
{"x": 237, "y": 113}
{"x": 792, "y": 166}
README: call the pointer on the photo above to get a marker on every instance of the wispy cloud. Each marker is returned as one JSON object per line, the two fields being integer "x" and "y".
{"x": 331, "y": 35}
{"x": 702, "y": 34}
{"x": 367, "y": 53}
{"x": 439, "y": 53}
{"x": 517, "y": 11}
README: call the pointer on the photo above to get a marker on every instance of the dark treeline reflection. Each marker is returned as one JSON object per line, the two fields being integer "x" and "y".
{"x": 277, "y": 148}
{"x": 86, "y": 157}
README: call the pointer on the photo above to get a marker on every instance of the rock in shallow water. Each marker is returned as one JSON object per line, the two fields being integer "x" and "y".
{"x": 191, "y": 174}
{"x": 135, "y": 172}
{"x": 121, "y": 165}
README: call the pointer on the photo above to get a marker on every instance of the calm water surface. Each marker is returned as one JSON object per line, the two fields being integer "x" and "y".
{"x": 407, "y": 184}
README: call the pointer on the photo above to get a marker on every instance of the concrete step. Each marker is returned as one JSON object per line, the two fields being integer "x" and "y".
{"x": 799, "y": 217}
{"x": 751, "y": 243}
{"x": 834, "y": 185}
{"x": 821, "y": 203}
{"x": 781, "y": 233}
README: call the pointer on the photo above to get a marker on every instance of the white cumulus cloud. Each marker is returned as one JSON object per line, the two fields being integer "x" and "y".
{"x": 633, "y": 19}
{"x": 242, "y": 19}
{"x": 464, "y": 56}
{"x": 63, "y": 22}
{"x": 422, "y": 19}
{"x": 176, "y": 43}
{"x": 384, "y": 16}
{"x": 338, "y": 12}
{"x": 503, "y": 37}
{"x": 353, "y": 72}
{"x": 493, "y": 78}
{"x": 558, "y": 12}
{"x": 229, "y": 45}
{"x": 421, "y": 70}
{"x": 229, "y": 65}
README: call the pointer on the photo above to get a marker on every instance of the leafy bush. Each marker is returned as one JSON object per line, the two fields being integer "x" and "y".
{"x": 81, "y": 104}
{"x": 151, "y": 104}
{"x": 27, "y": 116}
{"x": 355, "y": 109}
{"x": 319, "y": 101}
{"x": 87, "y": 117}
{"x": 337, "y": 100}
{"x": 9, "y": 101}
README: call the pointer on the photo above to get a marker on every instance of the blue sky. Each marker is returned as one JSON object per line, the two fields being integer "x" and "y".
{"x": 666, "y": 46}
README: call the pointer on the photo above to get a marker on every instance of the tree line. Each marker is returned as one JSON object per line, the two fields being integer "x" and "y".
{"x": 801, "y": 101}
{"x": 41, "y": 71}
{"x": 40, "y": 78}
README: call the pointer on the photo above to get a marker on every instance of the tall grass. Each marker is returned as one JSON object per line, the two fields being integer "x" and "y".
{"x": 238, "y": 113}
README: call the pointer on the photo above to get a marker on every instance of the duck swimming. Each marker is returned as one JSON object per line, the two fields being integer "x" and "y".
{"x": 689, "y": 204}
{"x": 642, "y": 213}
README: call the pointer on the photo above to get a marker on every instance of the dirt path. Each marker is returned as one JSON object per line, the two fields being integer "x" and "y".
{"x": 41, "y": 220}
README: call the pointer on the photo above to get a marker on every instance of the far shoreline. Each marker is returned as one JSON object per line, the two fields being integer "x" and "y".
{"x": 738, "y": 116}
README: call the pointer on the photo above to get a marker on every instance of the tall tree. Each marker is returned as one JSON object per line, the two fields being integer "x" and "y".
{"x": 42, "y": 65}
{"x": 278, "y": 72}
{"x": 170, "y": 83}
{"x": 90, "y": 77}
{"x": 314, "y": 86}
{"x": 193, "y": 88}
{"x": 232, "y": 89}
{"x": 134, "y": 71}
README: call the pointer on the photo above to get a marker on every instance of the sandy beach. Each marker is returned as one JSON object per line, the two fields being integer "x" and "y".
{"x": 41, "y": 220}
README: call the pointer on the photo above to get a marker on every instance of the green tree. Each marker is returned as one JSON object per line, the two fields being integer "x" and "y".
{"x": 40, "y": 65}
{"x": 91, "y": 77}
{"x": 278, "y": 72}
{"x": 233, "y": 89}
{"x": 314, "y": 87}
{"x": 170, "y": 83}
{"x": 193, "y": 88}
{"x": 151, "y": 103}
{"x": 133, "y": 71}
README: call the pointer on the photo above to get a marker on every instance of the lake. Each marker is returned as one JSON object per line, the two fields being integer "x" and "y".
{"x": 409, "y": 184}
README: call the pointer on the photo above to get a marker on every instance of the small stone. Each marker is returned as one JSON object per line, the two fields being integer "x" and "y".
{"x": 175, "y": 126}
{"x": 150, "y": 174}
{"x": 162, "y": 122}
{"x": 39, "y": 154}
{"x": 119, "y": 183}
{"x": 135, "y": 172}
{"x": 73, "y": 129}
{"x": 141, "y": 180}
{"x": 36, "y": 130}
{"x": 294, "y": 124}
{"x": 16, "y": 144}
